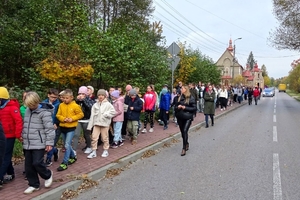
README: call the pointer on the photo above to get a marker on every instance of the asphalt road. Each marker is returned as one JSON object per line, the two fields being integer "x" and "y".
{"x": 251, "y": 153}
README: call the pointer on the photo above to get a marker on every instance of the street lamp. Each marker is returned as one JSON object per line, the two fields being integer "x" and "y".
{"x": 234, "y": 60}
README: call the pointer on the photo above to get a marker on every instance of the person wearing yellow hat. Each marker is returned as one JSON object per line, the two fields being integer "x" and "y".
{"x": 12, "y": 124}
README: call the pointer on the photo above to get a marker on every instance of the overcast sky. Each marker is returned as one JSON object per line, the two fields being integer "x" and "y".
{"x": 208, "y": 25}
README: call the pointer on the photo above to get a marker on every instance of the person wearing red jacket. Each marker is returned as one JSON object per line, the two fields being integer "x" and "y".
{"x": 256, "y": 94}
{"x": 149, "y": 108}
{"x": 12, "y": 124}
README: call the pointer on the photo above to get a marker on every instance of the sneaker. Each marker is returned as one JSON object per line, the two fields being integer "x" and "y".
{"x": 88, "y": 150}
{"x": 72, "y": 160}
{"x": 48, "y": 182}
{"x": 151, "y": 130}
{"x": 121, "y": 143}
{"x": 56, "y": 155}
{"x": 92, "y": 155}
{"x": 62, "y": 167}
{"x": 48, "y": 163}
{"x": 104, "y": 154}
{"x": 8, "y": 178}
{"x": 144, "y": 131}
{"x": 75, "y": 153}
{"x": 1, "y": 183}
{"x": 114, "y": 145}
{"x": 30, "y": 190}
{"x": 133, "y": 142}
{"x": 165, "y": 127}
{"x": 221, "y": 109}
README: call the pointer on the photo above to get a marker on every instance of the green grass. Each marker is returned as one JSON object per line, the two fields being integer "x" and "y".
{"x": 293, "y": 94}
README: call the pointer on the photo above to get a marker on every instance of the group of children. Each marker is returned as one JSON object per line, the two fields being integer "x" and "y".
{"x": 39, "y": 125}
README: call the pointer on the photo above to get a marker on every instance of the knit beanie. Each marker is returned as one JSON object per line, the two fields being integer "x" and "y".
{"x": 132, "y": 92}
{"x": 115, "y": 94}
{"x": 128, "y": 87}
{"x": 83, "y": 90}
{"x": 101, "y": 92}
{"x": 91, "y": 88}
{"x": 4, "y": 93}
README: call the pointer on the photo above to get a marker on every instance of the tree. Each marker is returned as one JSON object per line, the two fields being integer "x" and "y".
{"x": 238, "y": 80}
{"x": 264, "y": 70}
{"x": 267, "y": 81}
{"x": 294, "y": 79}
{"x": 194, "y": 67}
{"x": 250, "y": 61}
{"x": 287, "y": 34}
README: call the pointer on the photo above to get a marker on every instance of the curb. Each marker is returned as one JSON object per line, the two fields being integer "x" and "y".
{"x": 122, "y": 162}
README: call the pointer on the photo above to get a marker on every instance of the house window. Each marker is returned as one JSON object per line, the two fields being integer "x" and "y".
{"x": 258, "y": 75}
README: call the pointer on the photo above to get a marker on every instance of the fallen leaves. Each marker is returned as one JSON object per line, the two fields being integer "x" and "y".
{"x": 86, "y": 184}
{"x": 113, "y": 172}
{"x": 148, "y": 154}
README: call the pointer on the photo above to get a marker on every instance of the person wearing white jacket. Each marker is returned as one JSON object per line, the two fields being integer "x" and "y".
{"x": 100, "y": 120}
{"x": 223, "y": 96}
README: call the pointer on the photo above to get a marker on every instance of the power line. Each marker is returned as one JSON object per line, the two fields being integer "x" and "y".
{"x": 183, "y": 34}
{"x": 190, "y": 22}
{"x": 183, "y": 23}
{"x": 225, "y": 20}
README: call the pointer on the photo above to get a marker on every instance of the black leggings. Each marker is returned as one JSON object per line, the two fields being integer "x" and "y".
{"x": 148, "y": 118}
{"x": 184, "y": 126}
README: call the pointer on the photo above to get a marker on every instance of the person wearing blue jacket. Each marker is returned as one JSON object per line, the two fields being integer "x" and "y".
{"x": 164, "y": 106}
{"x": 53, "y": 100}
{"x": 135, "y": 106}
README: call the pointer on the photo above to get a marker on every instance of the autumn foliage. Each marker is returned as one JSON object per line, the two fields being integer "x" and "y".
{"x": 64, "y": 67}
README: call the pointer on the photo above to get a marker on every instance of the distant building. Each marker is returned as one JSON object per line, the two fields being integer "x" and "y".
{"x": 230, "y": 69}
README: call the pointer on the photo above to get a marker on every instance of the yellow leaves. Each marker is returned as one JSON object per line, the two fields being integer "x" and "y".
{"x": 73, "y": 74}
{"x": 186, "y": 65}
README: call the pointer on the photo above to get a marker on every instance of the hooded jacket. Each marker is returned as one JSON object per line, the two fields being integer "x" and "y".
{"x": 38, "y": 130}
{"x": 11, "y": 118}
{"x": 102, "y": 113}
{"x": 150, "y": 101}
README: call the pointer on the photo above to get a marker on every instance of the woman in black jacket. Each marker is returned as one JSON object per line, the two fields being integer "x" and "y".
{"x": 185, "y": 108}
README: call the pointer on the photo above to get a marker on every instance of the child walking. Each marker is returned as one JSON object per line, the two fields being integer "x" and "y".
{"x": 118, "y": 119}
{"x": 68, "y": 114}
{"x": 101, "y": 115}
{"x": 38, "y": 133}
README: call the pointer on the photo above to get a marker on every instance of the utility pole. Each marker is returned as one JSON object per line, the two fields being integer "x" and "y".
{"x": 234, "y": 59}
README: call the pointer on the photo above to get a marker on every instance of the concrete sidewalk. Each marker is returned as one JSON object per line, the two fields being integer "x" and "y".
{"x": 96, "y": 168}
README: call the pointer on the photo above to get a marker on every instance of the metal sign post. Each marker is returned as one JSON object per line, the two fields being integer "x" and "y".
{"x": 174, "y": 49}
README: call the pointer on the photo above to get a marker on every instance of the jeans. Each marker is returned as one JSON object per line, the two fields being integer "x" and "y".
{"x": 117, "y": 131}
{"x": 86, "y": 134}
{"x": 184, "y": 126}
{"x": 54, "y": 149}
{"x": 69, "y": 153}
{"x": 34, "y": 166}
{"x": 2, "y": 147}
{"x": 201, "y": 104}
{"x": 7, "y": 166}
{"x": 211, "y": 118}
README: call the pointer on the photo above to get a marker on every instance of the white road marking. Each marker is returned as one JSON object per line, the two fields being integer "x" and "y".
{"x": 275, "y": 134}
{"x": 276, "y": 178}
{"x": 274, "y": 118}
